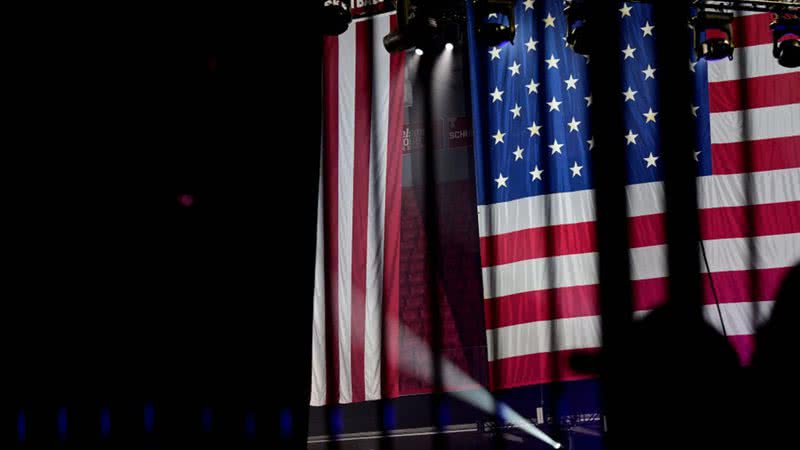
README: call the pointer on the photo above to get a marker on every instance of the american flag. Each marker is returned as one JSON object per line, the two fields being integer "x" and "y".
{"x": 534, "y": 184}
{"x": 354, "y": 356}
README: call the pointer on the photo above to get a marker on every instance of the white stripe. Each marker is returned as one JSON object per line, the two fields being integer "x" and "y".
{"x": 533, "y": 274}
{"x": 767, "y": 15}
{"x": 773, "y": 251}
{"x": 719, "y": 191}
{"x": 318, "y": 361}
{"x": 759, "y": 63}
{"x": 347, "y": 89}
{"x": 764, "y": 123}
{"x": 643, "y": 199}
{"x": 534, "y": 337}
{"x": 778, "y": 250}
{"x": 529, "y": 212}
{"x": 584, "y": 332}
{"x": 738, "y": 317}
{"x": 376, "y": 214}
{"x": 775, "y": 186}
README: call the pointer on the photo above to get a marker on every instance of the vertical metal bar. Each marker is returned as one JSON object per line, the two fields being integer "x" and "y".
{"x": 402, "y": 13}
{"x": 680, "y": 170}
{"x": 609, "y": 169}
{"x": 689, "y": 349}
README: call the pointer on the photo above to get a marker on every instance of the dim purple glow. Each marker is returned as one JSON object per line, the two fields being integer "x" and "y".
{"x": 186, "y": 200}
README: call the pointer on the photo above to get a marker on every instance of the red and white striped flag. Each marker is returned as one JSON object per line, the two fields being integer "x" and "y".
{"x": 754, "y": 104}
{"x": 358, "y": 236}
{"x": 520, "y": 277}
{"x": 356, "y": 290}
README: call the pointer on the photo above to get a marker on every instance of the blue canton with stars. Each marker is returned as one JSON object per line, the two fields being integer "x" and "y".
{"x": 532, "y": 105}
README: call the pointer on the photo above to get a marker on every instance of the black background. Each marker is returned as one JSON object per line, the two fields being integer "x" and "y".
{"x": 114, "y": 294}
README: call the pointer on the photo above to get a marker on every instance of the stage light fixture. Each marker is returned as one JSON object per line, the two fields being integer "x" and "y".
{"x": 448, "y": 46}
{"x": 492, "y": 33}
{"x": 336, "y": 16}
{"x": 713, "y": 37}
{"x": 786, "y": 39}
{"x": 419, "y": 52}
{"x": 398, "y": 41}
{"x": 429, "y": 35}
{"x": 452, "y": 376}
{"x": 421, "y": 32}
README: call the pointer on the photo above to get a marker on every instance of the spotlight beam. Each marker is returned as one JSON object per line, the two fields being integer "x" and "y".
{"x": 456, "y": 381}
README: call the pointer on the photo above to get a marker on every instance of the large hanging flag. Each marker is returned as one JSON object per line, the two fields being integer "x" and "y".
{"x": 357, "y": 263}
{"x": 535, "y": 193}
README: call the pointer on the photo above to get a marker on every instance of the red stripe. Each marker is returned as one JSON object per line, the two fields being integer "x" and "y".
{"x": 752, "y": 30}
{"x": 652, "y": 293}
{"x": 765, "y": 154}
{"x": 362, "y": 143}
{"x": 731, "y": 287}
{"x": 734, "y": 287}
{"x": 581, "y": 301}
{"x": 722, "y": 223}
{"x": 644, "y": 231}
{"x": 537, "y": 368}
{"x": 713, "y": 33}
{"x": 771, "y": 90}
{"x": 534, "y": 369}
{"x": 534, "y": 306}
{"x": 330, "y": 179}
{"x": 768, "y": 219}
{"x": 391, "y": 255}
{"x": 744, "y": 345}
{"x": 532, "y": 243}
{"x": 716, "y": 223}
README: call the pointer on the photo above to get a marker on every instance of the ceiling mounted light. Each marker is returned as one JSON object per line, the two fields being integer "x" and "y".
{"x": 421, "y": 32}
{"x": 713, "y": 37}
{"x": 493, "y": 33}
{"x": 786, "y": 39}
{"x": 336, "y": 16}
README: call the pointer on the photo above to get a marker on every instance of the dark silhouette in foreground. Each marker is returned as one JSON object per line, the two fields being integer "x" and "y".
{"x": 774, "y": 393}
{"x": 681, "y": 377}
